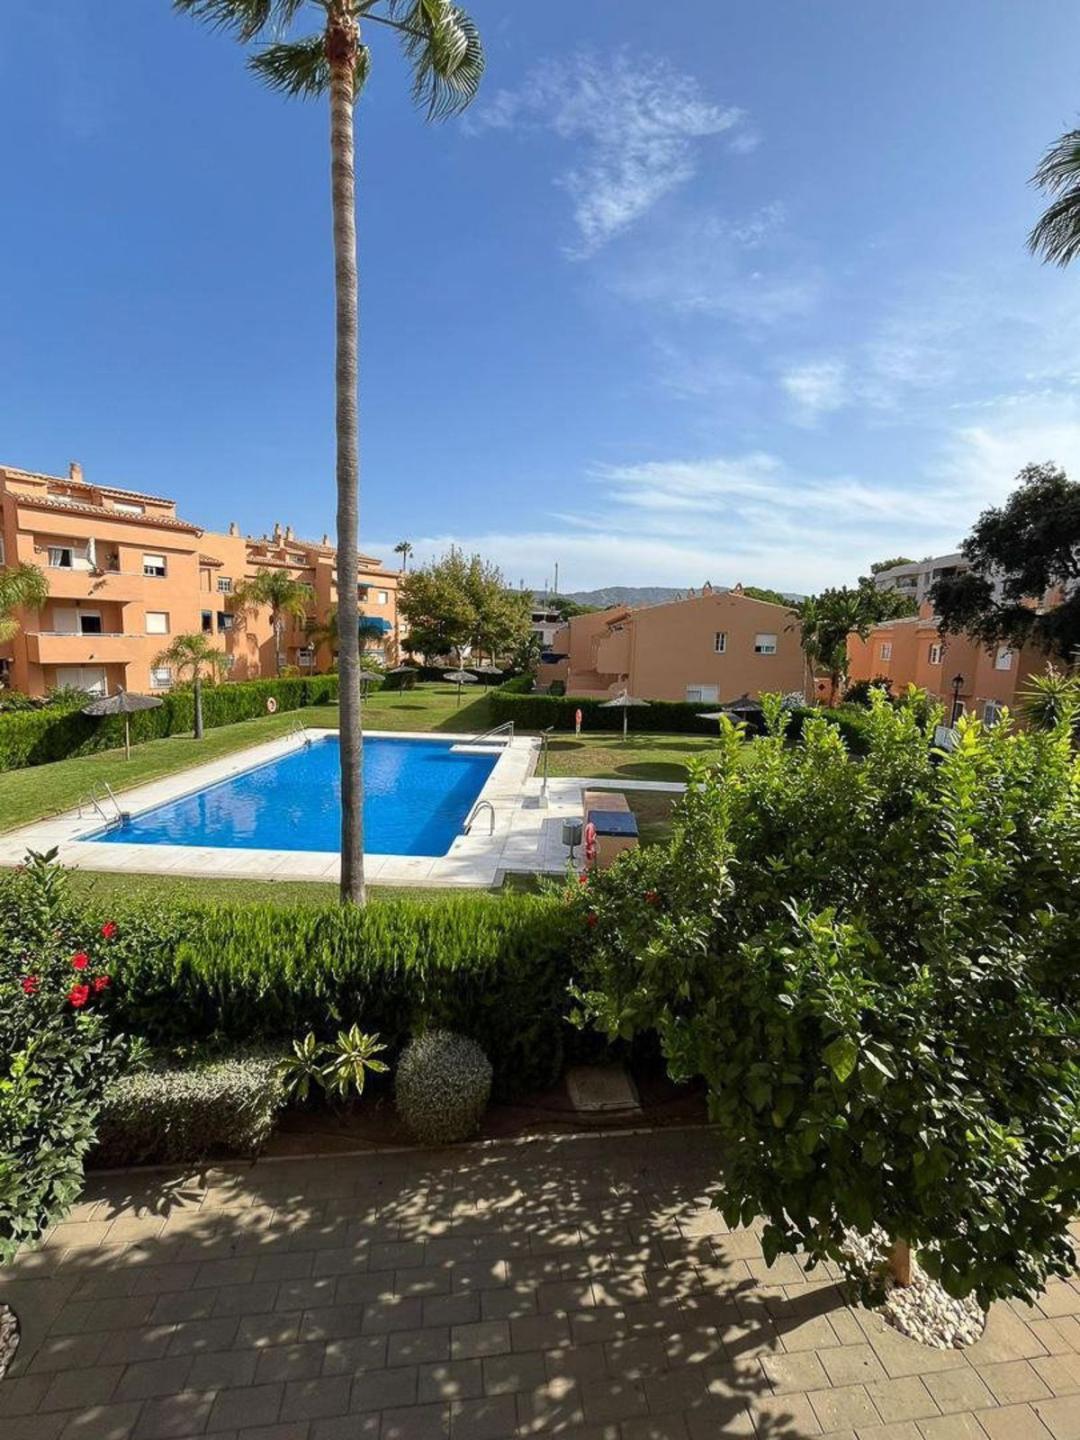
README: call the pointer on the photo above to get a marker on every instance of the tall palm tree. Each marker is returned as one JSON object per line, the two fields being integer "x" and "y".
{"x": 191, "y": 655}
{"x": 22, "y": 587}
{"x": 278, "y": 592}
{"x": 1056, "y": 235}
{"x": 326, "y": 632}
{"x": 404, "y": 549}
{"x": 443, "y": 49}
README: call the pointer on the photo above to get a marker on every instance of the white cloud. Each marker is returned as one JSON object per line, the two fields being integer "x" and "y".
{"x": 636, "y": 129}
{"x": 817, "y": 388}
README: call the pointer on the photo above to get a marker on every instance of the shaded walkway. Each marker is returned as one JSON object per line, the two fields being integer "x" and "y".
{"x": 580, "y": 1288}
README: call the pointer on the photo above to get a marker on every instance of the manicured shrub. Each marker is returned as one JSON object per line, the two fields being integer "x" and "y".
{"x": 39, "y": 737}
{"x": 872, "y": 964}
{"x": 213, "y": 1107}
{"x": 442, "y": 1087}
{"x": 57, "y": 1053}
{"x": 517, "y": 701}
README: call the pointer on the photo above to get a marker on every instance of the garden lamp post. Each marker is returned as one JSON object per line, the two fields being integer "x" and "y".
{"x": 958, "y": 681}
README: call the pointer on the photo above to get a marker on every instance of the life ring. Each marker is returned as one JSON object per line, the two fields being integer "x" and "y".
{"x": 271, "y": 705}
{"x": 590, "y": 843}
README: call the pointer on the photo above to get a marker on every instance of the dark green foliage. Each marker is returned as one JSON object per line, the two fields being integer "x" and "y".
{"x": 442, "y": 1087}
{"x": 1033, "y": 541}
{"x": 210, "y": 1108}
{"x": 873, "y": 966}
{"x": 517, "y": 701}
{"x": 42, "y": 736}
{"x": 494, "y": 968}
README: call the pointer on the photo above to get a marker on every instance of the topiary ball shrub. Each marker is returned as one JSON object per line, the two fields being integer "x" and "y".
{"x": 442, "y": 1086}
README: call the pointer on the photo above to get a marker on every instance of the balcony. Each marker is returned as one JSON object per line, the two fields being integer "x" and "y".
{"x": 49, "y": 647}
{"x": 70, "y": 584}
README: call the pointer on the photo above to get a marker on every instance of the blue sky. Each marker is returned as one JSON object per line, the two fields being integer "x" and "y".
{"x": 718, "y": 290}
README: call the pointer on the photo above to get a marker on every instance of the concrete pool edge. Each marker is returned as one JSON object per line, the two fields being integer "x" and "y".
{"x": 525, "y": 837}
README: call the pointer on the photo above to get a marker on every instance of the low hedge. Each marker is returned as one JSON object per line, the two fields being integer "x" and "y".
{"x": 38, "y": 737}
{"x": 494, "y": 968}
{"x": 209, "y": 1109}
{"x": 851, "y": 720}
{"x": 517, "y": 701}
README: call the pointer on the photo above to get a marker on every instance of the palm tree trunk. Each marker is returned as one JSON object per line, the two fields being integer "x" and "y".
{"x": 279, "y": 656}
{"x": 198, "y": 706}
{"x": 342, "y": 38}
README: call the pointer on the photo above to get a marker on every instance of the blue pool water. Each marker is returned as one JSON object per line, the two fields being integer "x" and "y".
{"x": 417, "y": 794}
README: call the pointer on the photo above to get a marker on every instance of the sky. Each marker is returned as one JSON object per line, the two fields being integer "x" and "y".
{"x": 719, "y": 290}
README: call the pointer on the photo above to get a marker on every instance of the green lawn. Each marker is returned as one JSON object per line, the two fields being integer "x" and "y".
{"x": 27, "y": 795}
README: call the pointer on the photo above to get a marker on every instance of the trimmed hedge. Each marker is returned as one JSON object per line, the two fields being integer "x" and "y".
{"x": 38, "y": 737}
{"x": 517, "y": 701}
{"x": 207, "y": 1109}
{"x": 494, "y": 968}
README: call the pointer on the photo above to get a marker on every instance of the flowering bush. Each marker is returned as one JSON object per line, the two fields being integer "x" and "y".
{"x": 872, "y": 964}
{"x": 56, "y": 1054}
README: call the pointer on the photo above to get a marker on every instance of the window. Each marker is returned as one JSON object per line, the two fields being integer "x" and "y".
{"x": 2, "y": 560}
{"x": 702, "y": 694}
{"x": 382, "y": 597}
{"x": 764, "y": 644}
{"x": 154, "y": 565}
{"x": 362, "y": 591}
{"x": 224, "y": 621}
{"x": 160, "y": 677}
{"x": 991, "y": 712}
{"x": 90, "y": 678}
{"x": 305, "y": 659}
{"x": 127, "y": 507}
{"x": 886, "y": 650}
{"x": 89, "y": 622}
{"x": 60, "y": 557}
{"x": 935, "y": 653}
{"x": 224, "y": 585}
{"x": 207, "y": 622}
{"x": 157, "y": 622}
{"x": 720, "y": 642}
{"x": 1003, "y": 658}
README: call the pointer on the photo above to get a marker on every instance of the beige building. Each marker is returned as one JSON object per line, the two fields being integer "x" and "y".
{"x": 709, "y": 648}
{"x": 125, "y": 573}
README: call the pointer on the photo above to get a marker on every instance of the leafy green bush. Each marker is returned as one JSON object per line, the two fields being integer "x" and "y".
{"x": 214, "y": 1107}
{"x": 39, "y": 737}
{"x": 493, "y": 967}
{"x": 57, "y": 1054}
{"x": 442, "y": 1087}
{"x": 516, "y": 701}
{"x": 873, "y": 966}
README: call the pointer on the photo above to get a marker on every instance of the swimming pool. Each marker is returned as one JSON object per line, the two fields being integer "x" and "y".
{"x": 417, "y": 795}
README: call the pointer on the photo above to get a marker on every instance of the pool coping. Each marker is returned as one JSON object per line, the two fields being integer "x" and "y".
{"x": 477, "y": 859}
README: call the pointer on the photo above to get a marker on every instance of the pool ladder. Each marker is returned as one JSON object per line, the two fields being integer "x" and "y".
{"x": 91, "y": 801}
{"x": 475, "y": 811}
{"x": 299, "y": 728}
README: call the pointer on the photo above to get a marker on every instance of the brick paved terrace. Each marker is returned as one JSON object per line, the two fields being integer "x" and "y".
{"x": 581, "y": 1288}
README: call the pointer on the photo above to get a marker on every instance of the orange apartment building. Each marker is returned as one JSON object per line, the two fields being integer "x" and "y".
{"x": 125, "y": 573}
{"x": 913, "y": 651}
{"x": 710, "y": 648}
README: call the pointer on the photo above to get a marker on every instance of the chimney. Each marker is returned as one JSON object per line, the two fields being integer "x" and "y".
{"x": 234, "y": 529}
{"x": 277, "y": 532}
{"x": 736, "y": 589}
{"x": 288, "y": 532}
{"x": 325, "y": 538}
{"x": 75, "y": 472}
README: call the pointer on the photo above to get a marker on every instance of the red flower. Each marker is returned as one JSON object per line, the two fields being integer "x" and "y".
{"x": 108, "y": 930}
{"x": 590, "y": 920}
{"x": 30, "y": 984}
{"x": 583, "y": 878}
{"x": 652, "y": 897}
{"x": 78, "y": 995}
{"x": 80, "y": 961}
{"x": 100, "y": 983}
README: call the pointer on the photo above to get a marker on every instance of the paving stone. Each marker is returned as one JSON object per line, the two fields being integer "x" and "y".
{"x": 260, "y": 1330}
{"x": 417, "y": 1422}
{"x": 961, "y": 1426}
{"x": 896, "y": 1430}
{"x": 903, "y": 1399}
{"x": 577, "y": 1362}
{"x": 198, "y": 1336}
{"x": 419, "y": 1347}
{"x": 246, "y": 1405}
{"x": 959, "y": 1389}
{"x": 1060, "y": 1373}
{"x": 384, "y": 1389}
{"x": 224, "y": 1369}
{"x": 287, "y": 1362}
{"x": 174, "y": 1416}
{"x": 312, "y": 1399}
{"x": 1013, "y": 1422}
{"x": 851, "y": 1364}
{"x": 97, "y": 1422}
{"x": 486, "y": 1337}
{"x": 1011, "y": 1382}
{"x": 1061, "y": 1416}
{"x": 458, "y": 1309}
{"x": 800, "y": 1372}
{"x": 843, "y": 1405}
{"x": 354, "y": 1355}
{"x": 24, "y": 1394}
{"x": 784, "y": 1415}
{"x": 493, "y": 1417}
{"x": 450, "y": 1380}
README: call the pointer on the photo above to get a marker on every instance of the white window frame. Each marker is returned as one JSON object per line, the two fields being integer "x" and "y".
{"x": 935, "y": 653}
{"x": 702, "y": 694}
{"x": 56, "y": 554}
{"x": 76, "y": 677}
{"x": 90, "y": 615}
{"x": 720, "y": 642}
{"x": 886, "y": 650}
{"x": 3, "y": 561}
{"x": 765, "y": 643}
{"x": 224, "y": 585}
{"x": 305, "y": 658}
{"x": 160, "y": 677}
{"x": 163, "y": 615}
{"x": 1004, "y": 654}
{"x": 991, "y": 712}
{"x": 226, "y": 622}
{"x": 152, "y": 571}
{"x": 382, "y": 597}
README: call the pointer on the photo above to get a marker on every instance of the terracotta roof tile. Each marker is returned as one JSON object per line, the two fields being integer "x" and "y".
{"x": 102, "y": 512}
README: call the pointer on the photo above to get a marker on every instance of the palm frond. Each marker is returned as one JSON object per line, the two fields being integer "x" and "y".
{"x": 444, "y": 48}
{"x": 1056, "y": 234}
{"x": 296, "y": 67}
{"x": 246, "y": 19}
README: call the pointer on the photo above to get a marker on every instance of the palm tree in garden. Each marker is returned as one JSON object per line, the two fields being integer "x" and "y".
{"x": 284, "y": 597}
{"x": 404, "y": 549}
{"x": 443, "y": 49}
{"x": 22, "y": 587}
{"x": 325, "y": 632}
{"x": 1056, "y": 235}
{"x": 190, "y": 656}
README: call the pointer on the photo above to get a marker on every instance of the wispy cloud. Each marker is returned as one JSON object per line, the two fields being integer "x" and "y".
{"x": 637, "y": 127}
{"x": 816, "y": 389}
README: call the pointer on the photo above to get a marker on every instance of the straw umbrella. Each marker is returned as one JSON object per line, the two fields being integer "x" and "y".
{"x": 489, "y": 672}
{"x": 625, "y": 703}
{"x": 459, "y": 678}
{"x": 122, "y": 704}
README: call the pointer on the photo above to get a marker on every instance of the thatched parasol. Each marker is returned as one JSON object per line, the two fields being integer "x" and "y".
{"x": 122, "y": 703}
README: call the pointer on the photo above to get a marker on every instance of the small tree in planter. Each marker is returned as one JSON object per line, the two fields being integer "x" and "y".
{"x": 872, "y": 964}
{"x": 56, "y": 1056}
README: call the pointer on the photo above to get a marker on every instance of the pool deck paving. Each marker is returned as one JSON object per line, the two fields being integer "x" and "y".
{"x": 580, "y": 1287}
